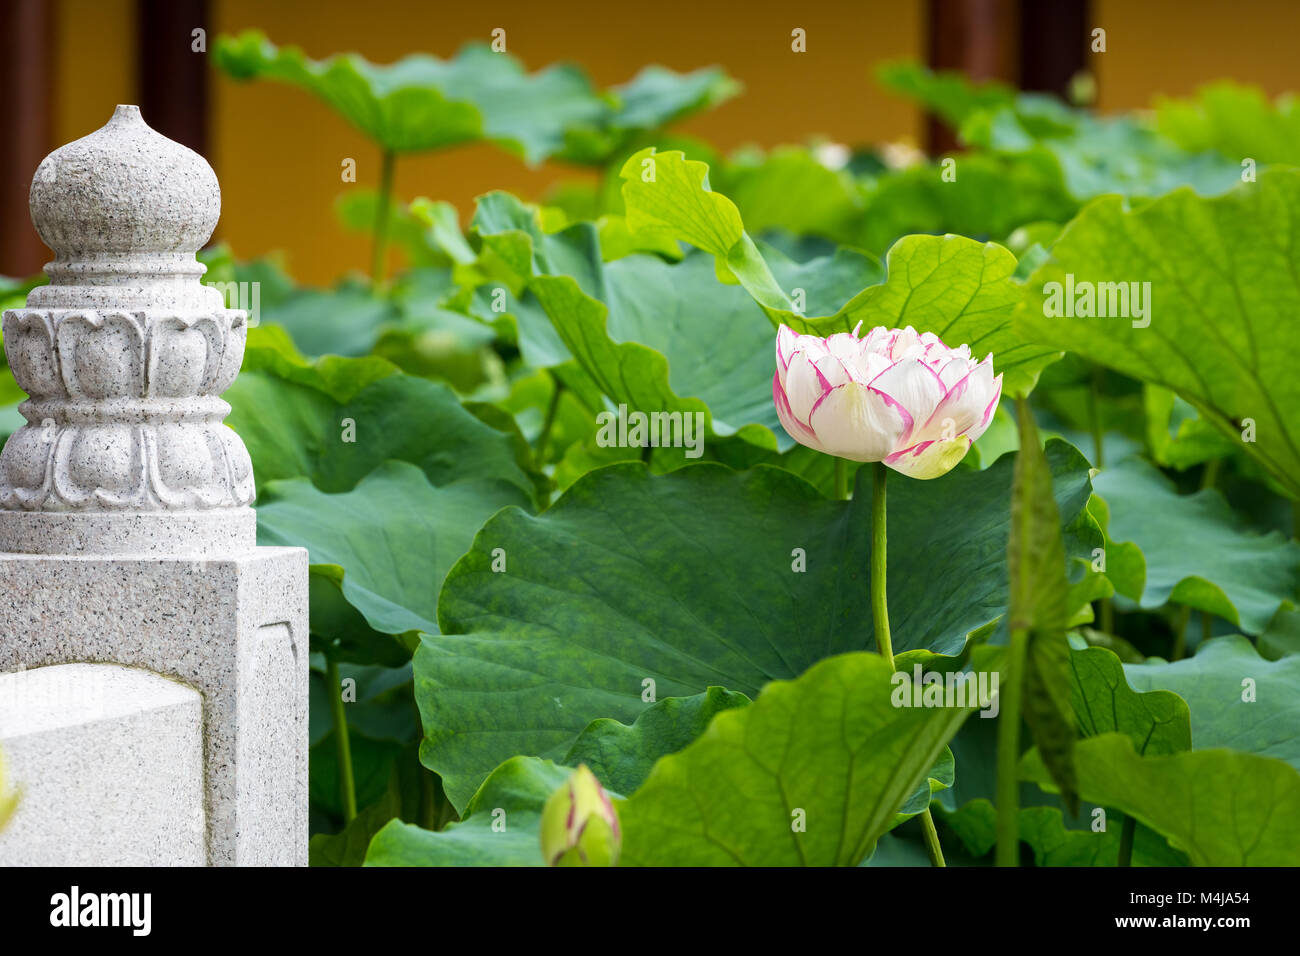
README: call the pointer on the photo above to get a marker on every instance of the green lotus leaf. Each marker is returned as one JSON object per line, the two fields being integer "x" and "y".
{"x": 531, "y": 653}
{"x": 810, "y": 774}
{"x": 1220, "y": 807}
{"x": 1218, "y": 314}
{"x": 1191, "y": 549}
{"x": 1237, "y": 699}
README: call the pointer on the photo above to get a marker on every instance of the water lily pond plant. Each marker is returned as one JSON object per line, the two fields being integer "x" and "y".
{"x": 956, "y": 574}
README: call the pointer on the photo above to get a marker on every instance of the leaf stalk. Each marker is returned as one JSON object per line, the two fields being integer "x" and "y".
{"x": 347, "y": 785}
{"x": 880, "y": 611}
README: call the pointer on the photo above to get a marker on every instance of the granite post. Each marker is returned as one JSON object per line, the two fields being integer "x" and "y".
{"x": 126, "y": 532}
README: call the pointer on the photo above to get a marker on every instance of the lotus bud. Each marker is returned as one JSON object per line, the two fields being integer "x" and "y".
{"x": 579, "y": 824}
{"x": 895, "y": 395}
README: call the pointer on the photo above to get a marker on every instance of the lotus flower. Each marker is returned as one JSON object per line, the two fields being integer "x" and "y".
{"x": 579, "y": 824}
{"x": 896, "y": 396}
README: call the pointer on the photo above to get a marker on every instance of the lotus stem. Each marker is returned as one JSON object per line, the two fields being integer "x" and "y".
{"x": 379, "y": 251}
{"x": 879, "y": 561}
{"x": 1094, "y": 414}
{"x": 347, "y": 786}
{"x": 1181, "y": 618}
{"x": 880, "y": 611}
{"x": 1126, "y": 834}
{"x": 548, "y": 423}
{"x": 1210, "y": 476}
{"x": 1008, "y": 762}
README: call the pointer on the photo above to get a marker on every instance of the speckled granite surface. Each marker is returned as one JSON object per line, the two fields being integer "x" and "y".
{"x": 109, "y": 761}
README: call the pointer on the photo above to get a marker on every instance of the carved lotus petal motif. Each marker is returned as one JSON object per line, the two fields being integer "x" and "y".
{"x": 240, "y": 466}
{"x": 102, "y": 355}
{"x": 184, "y": 473}
{"x": 183, "y": 356}
{"x": 26, "y": 464}
{"x": 232, "y": 355}
{"x": 29, "y": 346}
{"x": 103, "y": 464}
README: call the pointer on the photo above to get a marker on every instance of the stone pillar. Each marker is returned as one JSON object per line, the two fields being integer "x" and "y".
{"x": 125, "y": 519}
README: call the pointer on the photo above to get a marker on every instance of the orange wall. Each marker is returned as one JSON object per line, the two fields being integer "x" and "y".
{"x": 95, "y": 51}
{"x": 1174, "y": 46}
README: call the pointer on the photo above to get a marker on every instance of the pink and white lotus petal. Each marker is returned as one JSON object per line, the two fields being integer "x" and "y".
{"x": 894, "y": 395}
{"x": 967, "y": 408}
{"x": 793, "y": 427}
{"x": 930, "y": 459}
{"x": 913, "y": 385}
{"x": 858, "y": 422}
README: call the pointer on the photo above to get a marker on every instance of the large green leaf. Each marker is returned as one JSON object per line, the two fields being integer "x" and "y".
{"x": 1221, "y": 807}
{"x": 421, "y": 102}
{"x": 810, "y": 774}
{"x": 294, "y": 418}
{"x": 1237, "y": 699}
{"x": 1191, "y": 549}
{"x": 388, "y": 543}
{"x": 690, "y": 580}
{"x": 960, "y": 289}
{"x": 1224, "y": 280}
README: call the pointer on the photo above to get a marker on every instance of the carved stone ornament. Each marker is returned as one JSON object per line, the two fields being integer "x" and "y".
{"x": 124, "y": 355}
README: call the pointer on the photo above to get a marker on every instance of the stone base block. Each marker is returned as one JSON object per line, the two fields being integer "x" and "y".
{"x": 105, "y": 533}
{"x": 233, "y": 627}
{"x": 109, "y": 763}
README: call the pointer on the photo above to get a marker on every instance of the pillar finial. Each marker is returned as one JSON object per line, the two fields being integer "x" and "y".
{"x": 124, "y": 355}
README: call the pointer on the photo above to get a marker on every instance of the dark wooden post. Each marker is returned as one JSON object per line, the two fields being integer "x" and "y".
{"x": 975, "y": 37}
{"x": 172, "y": 78}
{"x": 1053, "y": 44}
{"x": 26, "y": 126}
{"x": 1034, "y": 44}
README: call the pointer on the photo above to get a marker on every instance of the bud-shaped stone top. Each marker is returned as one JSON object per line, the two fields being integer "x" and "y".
{"x": 124, "y": 210}
{"x": 124, "y": 356}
